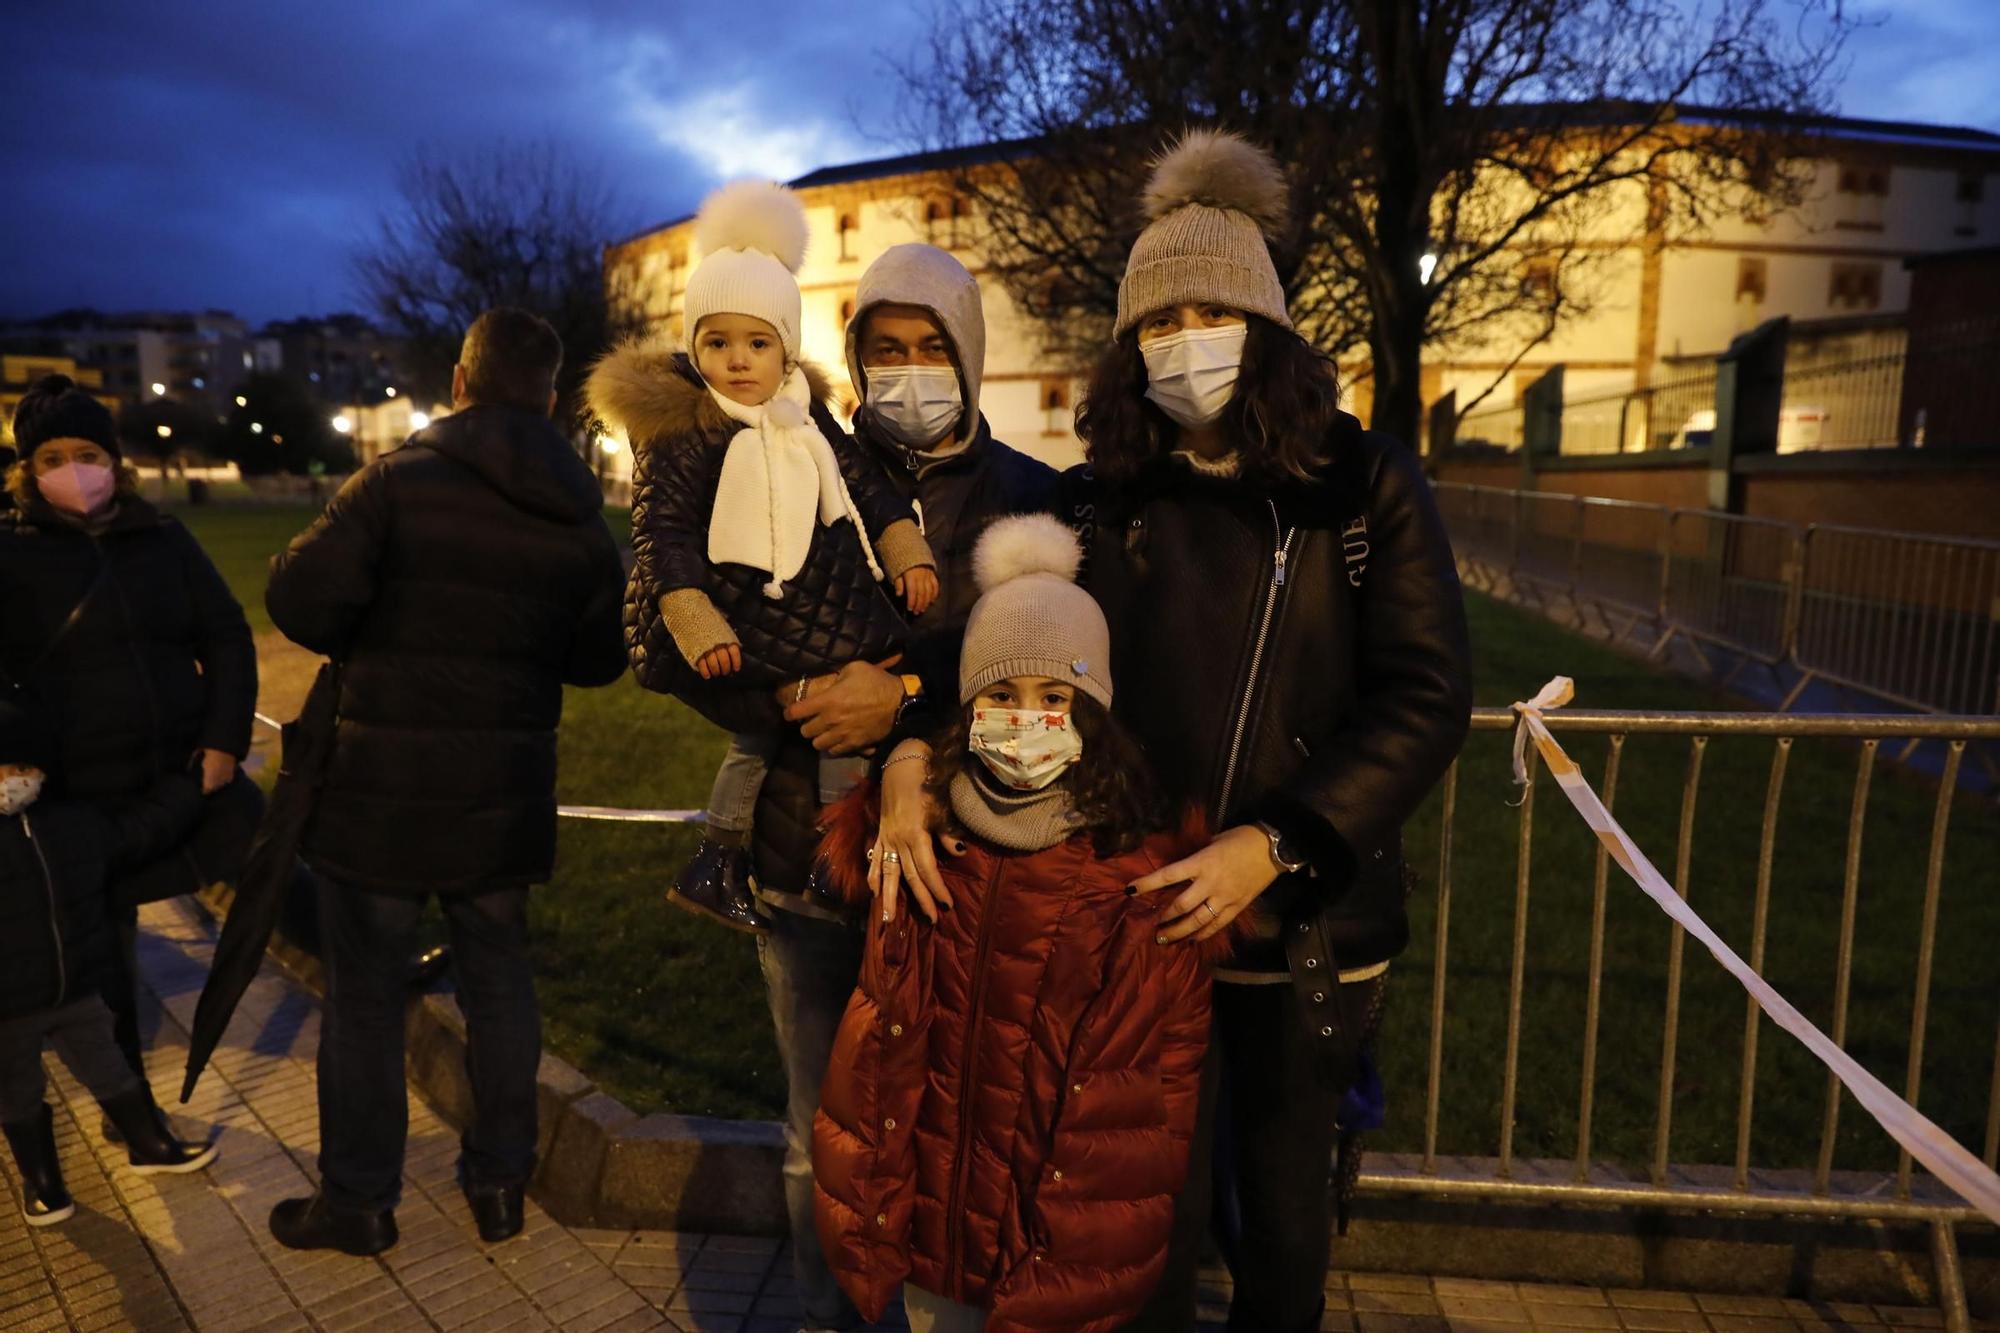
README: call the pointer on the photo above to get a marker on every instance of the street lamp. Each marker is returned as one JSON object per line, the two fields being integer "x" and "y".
{"x": 256, "y": 428}
{"x": 165, "y": 432}
{"x": 391, "y": 391}
{"x": 241, "y": 401}
{"x": 1425, "y": 267}
{"x": 343, "y": 423}
{"x": 608, "y": 446}
{"x": 419, "y": 420}
{"x": 159, "y": 389}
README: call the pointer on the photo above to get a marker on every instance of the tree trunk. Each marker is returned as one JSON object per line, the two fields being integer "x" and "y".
{"x": 1397, "y": 346}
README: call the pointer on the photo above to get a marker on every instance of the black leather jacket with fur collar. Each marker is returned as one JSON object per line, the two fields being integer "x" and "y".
{"x": 1297, "y": 655}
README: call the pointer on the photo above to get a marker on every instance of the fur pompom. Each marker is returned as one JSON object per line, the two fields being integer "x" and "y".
{"x": 1221, "y": 170}
{"x": 1025, "y": 544}
{"x": 753, "y": 215}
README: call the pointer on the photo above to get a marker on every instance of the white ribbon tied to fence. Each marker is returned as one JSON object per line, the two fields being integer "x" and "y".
{"x": 1943, "y": 1155}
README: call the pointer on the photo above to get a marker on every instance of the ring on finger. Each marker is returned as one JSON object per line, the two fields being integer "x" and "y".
{"x": 1212, "y": 913}
{"x": 799, "y": 697}
{"x": 893, "y": 858}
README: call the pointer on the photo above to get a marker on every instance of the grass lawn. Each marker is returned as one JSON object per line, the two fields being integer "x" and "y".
{"x": 668, "y": 1013}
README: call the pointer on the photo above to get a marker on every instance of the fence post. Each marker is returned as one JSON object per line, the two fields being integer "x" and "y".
{"x": 1542, "y": 417}
{"x": 1749, "y": 386}
{"x": 1441, "y": 429}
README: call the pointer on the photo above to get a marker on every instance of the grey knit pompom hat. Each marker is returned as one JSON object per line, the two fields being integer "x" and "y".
{"x": 1031, "y": 619}
{"x": 1213, "y": 203}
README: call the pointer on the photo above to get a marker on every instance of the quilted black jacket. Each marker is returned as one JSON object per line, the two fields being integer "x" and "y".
{"x": 1320, "y": 672}
{"x": 835, "y": 611}
{"x": 462, "y": 580}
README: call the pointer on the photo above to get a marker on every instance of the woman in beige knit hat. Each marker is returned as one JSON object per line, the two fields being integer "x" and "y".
{"x": 1283, "y": 605}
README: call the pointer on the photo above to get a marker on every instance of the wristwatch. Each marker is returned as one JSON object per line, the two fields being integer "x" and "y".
{"x": 913, "y": 690}
{"x": 1284, "y": 854}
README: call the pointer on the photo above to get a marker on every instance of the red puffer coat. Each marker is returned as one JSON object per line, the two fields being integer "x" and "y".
{"x": 1006, "y": 1116}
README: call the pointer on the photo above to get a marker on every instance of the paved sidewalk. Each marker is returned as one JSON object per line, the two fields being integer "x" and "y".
{"x": 192, "y": 1252}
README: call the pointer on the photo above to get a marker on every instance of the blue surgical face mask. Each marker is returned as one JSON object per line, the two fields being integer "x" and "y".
{"x": 916, "y": 406}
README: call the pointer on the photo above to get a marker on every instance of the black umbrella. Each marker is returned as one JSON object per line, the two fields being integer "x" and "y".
{"x": 268, "y": 871}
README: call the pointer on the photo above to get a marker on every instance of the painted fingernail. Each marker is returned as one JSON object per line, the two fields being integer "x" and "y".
{"x": 1159, "y": 939}
{"x": 1131, "y": 890}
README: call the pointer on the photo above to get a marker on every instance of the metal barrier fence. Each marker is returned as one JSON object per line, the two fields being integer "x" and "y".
{"x": 1741, "y": 1184}
{"x": 1501, "y": 427}
{"x": 1910, "y": 619}
{"x": 1676, "y": 413}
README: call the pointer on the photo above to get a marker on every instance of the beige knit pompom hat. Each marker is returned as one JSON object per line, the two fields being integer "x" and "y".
{"x": 1213, "y": 204}
{"x": 1031, "y": 618}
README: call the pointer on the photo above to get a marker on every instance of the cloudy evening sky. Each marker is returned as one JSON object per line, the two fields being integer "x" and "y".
{"x": 234, "y": 153}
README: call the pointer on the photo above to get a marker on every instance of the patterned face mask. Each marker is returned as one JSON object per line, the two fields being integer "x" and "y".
{"x": 18, "y": 791}
{"x": 1025, "y": 750}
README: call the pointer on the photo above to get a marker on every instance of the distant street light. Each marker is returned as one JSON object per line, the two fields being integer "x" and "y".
{"x": 419, "y": 420}
{"x": 1425, "y": 267}
{"x": 159, "y": 389}
{"x": 241, "y": 401}
{"x": 391, "y": 391}
{"x": 343, "y": 423}
{"x": 607, "y": 446}
{"x": 165, "y": 432}
{"x": 256, "y": 428}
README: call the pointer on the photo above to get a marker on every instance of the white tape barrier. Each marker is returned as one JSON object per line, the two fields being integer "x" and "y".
{"x": 1945, "y": 1157}
{"x": 604, "y": 814}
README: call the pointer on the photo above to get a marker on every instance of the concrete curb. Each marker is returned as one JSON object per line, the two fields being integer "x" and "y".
{"x": 601, "y": 1164}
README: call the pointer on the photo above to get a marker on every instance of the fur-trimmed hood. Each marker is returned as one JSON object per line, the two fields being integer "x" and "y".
{"x": 646, "y": 391}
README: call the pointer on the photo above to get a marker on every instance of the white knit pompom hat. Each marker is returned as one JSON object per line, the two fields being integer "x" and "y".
{"x": 752, "y": 235}
{"x": 1031, "y": 618}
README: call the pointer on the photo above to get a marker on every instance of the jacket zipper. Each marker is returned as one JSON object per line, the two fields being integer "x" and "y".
{"x": 55, "y": 922}
{"x": 1280, "y": 553}
{"x": 968, "y": 1066}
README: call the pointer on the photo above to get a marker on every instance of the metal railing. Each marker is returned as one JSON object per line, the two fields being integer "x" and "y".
{"x": 1737, "y": 1182}
{"x": 1676, "y": 413}
{"x": 1842, "y": 405}
{"x": 1911, "y": 619}
{"x": 1496, "y": 427}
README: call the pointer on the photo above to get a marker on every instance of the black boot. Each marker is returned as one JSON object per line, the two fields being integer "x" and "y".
{"x": 716, "y": 884}
{"x": 497, "y": 1210}
{"x": 46, "y": 1198}
{"x": 308, "y": 1224}
{"x": 150, "y": 1145}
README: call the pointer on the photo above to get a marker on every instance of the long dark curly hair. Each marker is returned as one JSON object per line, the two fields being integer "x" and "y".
{"x": 1111, "y": 787}
{"x": 1287, "y": 397}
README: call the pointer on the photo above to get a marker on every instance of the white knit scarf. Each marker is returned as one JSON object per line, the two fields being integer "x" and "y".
{"x": 779, "y": 478}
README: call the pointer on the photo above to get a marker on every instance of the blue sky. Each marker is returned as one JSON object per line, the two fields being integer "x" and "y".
{"x": 235, "y": 154}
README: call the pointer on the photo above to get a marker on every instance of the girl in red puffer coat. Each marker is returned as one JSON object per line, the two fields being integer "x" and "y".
{"x": 1005, "y": 1120}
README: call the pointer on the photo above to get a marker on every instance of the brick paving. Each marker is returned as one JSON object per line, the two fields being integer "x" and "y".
{"x": 192, "y": 1252}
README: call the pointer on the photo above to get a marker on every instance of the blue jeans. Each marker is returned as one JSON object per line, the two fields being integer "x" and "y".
{"x": 810, "y": 970}
{"x": 367, "y": 939}
{"x": 734, "y": 796}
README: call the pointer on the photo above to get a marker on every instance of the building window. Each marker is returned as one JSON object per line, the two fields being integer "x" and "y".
{"x": 1970, "y": 195}
{"x": 846, "y": 311}
{"x": 1055, "y": 407}
{"x": 945, "y": 221}
{"x": 1538, "y": 280}
{"x": 1752, "y": 278}
{"x": 847, "y": 227}
{"x": 1855, "y": 287}
{"x": 1862, "y": 194}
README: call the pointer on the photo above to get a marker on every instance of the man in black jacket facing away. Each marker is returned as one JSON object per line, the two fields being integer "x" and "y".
{"x": 460, "y": 582}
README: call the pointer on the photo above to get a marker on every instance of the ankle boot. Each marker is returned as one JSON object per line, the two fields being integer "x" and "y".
{"x": 716, "y": 884}
{"x": 150, "y": 1145}
{"x": 46, "y": 1198}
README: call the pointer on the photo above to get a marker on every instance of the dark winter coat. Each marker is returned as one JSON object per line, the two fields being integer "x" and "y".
{"x": 954, "y": 499}
{"x": 1006, "y": 1116}
{"x": 462, "y": 581}
{"x": 1321, "y": 675}
{"x": 157, "y": 663}
{"x": 834, "y": 611}
{"x": 57, "y": 860}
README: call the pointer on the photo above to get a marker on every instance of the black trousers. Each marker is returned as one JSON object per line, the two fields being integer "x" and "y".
{"x": 80, "y": 1031}
{"x": 367, "y": 939}
{"x": 1267, "y": 1127}
{"x": 121, "y": 986}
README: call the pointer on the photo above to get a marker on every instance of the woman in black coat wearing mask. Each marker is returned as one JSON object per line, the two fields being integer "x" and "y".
{"x": 1290, "y": 645}
{"x": 117, "y": 630}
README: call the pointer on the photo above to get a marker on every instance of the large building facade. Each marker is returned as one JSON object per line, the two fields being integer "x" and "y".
{"x": 1881, "y": 194}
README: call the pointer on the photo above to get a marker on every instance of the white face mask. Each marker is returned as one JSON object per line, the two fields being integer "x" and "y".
{"x": 18, "y": 791}
{"x": 1192, "y": 374}
{"x": 915, "y": 405}
{"x": 1025, "y": 751}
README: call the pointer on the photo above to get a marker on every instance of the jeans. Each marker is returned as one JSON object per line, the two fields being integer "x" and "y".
{"x": 810, "y": 970}
{"x": 734, "y": 796}
{"x": 1267, "y": 1123}
{"x": 363, "y": 1100}
{"x": 81, "y": 1033}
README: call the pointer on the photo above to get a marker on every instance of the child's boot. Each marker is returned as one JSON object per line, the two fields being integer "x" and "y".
{"x": 150, "y": 1145}
{"x": 716, "y": 884}
{"x": 45, "y": 1199}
